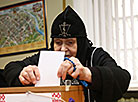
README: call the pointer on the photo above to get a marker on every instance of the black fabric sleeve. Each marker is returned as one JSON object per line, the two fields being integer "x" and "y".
{"x": 2, "y": 79}
{"x": 13, "y": 69}
{"x": 96, "y": 79}
{"x": 109, "y": 80}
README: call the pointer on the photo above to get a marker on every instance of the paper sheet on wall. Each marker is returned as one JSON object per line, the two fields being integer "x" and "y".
{"x": 49, "y": 62}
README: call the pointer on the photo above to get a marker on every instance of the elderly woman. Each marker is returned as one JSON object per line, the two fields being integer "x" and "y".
{"x": 106, "y": 80}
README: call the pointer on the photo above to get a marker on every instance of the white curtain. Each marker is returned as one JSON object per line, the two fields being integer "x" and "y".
{"x": 98, "y": 21}
{"x": 113, "y": 24}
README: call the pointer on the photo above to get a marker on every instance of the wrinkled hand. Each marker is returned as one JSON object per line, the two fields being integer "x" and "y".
{"x": 81, "y": 71}
{"x": 29, "y": 75}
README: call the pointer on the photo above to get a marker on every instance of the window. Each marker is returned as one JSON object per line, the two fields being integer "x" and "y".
{"x": 125, "y": 36}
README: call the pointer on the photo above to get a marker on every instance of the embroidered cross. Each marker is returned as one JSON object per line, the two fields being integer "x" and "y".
{"x": 64, "y": 28}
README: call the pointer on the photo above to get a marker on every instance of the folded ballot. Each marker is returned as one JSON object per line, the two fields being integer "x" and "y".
{"x": 49, "y": 62}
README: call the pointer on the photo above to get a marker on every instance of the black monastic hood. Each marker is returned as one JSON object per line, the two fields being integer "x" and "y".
{"x": 68, "y": 25}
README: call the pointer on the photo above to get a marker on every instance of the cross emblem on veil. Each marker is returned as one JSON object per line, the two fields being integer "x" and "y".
{"x": 64, "y": 28}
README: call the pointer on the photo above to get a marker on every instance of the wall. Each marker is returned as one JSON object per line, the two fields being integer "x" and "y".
{"x": 54, "y": 7}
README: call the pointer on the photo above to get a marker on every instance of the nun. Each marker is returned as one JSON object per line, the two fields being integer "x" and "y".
{"x": 102, "y": 78}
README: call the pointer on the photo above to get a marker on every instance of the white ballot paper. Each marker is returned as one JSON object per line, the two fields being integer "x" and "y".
{"x": 49, "y": 62}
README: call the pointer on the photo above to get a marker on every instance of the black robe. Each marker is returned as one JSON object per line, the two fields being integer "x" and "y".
{"x": 109, "y": 81}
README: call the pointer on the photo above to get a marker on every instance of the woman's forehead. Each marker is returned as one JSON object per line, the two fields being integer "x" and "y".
{"x": 65, "y": 39}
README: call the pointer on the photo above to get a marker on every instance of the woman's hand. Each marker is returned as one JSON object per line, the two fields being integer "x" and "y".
{"x": 29, "y": 75}
{"x": 81, "y": 71}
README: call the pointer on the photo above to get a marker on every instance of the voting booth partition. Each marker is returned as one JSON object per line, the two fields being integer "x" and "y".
{"x": 42, "y": 94}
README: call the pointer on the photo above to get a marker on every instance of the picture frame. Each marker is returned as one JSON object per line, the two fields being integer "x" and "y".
{"x": 23, "y": 27}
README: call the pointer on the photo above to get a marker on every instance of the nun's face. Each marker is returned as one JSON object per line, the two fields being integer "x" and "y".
{"x": 68, "y": 45}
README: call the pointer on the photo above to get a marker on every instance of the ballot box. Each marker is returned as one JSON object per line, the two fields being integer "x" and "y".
{"x": 42, "y": 94}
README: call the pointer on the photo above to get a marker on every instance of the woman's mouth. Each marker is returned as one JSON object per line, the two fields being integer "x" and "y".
{"x": 67, "y": 56}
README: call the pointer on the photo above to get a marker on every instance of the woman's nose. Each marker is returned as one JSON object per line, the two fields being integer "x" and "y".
{"x": 63, "y": 47}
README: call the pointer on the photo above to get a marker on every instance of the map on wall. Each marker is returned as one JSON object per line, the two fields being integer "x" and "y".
{"x": 22, "y": 27}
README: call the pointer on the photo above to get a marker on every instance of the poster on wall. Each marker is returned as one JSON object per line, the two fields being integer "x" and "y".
{"x": 23, "y": 27}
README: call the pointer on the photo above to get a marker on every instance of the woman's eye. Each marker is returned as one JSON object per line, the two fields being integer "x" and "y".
{"x": 58, "y": 42}
{"x": 69, "y": 43}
